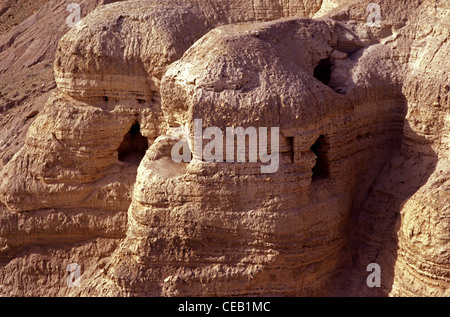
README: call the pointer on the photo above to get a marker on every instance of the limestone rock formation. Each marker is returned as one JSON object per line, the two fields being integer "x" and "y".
{"x": 363, "y": 175}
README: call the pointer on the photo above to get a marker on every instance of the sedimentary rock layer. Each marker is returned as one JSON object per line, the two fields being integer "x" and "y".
{"x": 363, "y": 117}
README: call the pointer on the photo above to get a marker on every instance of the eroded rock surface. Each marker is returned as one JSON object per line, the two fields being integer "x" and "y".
{"x": 363, "y": 176}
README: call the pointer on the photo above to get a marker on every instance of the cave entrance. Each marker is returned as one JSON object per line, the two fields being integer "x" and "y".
{"x": 322, "y": 168}
{"x": 323, "y": 71}
{"x": 133, "y": 147}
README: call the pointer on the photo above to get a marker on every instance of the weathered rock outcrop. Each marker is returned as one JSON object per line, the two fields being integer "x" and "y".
{"x": 363, "y": 176}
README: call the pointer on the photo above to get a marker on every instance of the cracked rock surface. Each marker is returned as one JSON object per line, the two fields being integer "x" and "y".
{"x": 88, "y": 115}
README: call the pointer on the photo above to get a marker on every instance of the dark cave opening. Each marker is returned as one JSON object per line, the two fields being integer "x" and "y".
{"x": 133, "y": 147}
{"x": 322, "y": 168}
{"x": 322, "y": 71}
{"x": 290, "y": 154}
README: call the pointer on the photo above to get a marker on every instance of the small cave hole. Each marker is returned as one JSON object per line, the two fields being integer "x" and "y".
{"x": 322, "y": 168}
{"x": 322, "y": 71}
{"x": 105, "y": 98}
{"x": 340, "y": 91}
{"x": 133, "y": 147}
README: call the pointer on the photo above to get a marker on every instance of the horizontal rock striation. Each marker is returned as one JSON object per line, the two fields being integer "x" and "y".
{"x": 362, "y": 178}
{"x": 67, "y": 170}
{"x": 123, "y": 54}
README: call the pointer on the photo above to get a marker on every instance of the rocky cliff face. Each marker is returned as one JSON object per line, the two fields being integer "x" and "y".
{"x": 363, "y": 115}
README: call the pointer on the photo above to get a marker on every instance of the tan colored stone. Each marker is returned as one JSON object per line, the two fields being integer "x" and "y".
{"x": 160, "y": 228}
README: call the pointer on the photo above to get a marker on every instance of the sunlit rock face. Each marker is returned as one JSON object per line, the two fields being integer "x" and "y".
{"x": 361, "y": 169}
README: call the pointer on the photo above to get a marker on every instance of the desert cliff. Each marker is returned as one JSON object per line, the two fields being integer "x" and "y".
{"x": 89, "y": 114}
